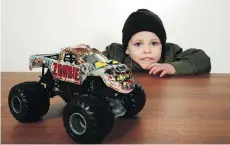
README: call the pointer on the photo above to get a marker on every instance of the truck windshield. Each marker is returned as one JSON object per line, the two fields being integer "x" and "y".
{"x": 94, "y": 57}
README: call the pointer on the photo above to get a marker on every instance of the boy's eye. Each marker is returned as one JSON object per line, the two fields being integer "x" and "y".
{"x": 154, "y": 43}
{"x": 137, "y": 44}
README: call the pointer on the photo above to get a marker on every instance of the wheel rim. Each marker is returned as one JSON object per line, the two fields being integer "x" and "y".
{"x": 16, "y": 104}
{"x": 77, "y": 123}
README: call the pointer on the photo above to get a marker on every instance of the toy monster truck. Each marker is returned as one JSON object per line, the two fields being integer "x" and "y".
{"x": 97, "y": 90}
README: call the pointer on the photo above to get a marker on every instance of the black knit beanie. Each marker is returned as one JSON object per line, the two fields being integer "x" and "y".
{"x": 143, "y": 20}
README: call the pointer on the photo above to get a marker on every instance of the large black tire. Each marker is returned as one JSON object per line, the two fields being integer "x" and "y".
{"x": 134, "y": 101}
{"x": 28, "y": 101}
{"x": 91, "y": 119}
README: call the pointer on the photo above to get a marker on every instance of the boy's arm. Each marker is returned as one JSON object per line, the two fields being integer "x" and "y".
{"x": 106, "y": 52}
{"x": 114, "y": 51}
{"x": 190, "y": 61}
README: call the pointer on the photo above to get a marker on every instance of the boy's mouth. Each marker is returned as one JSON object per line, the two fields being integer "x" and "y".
{"x": 147, "y": 58}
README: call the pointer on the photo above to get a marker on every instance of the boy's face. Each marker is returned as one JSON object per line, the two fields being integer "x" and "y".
{"x": 144, "y": 48}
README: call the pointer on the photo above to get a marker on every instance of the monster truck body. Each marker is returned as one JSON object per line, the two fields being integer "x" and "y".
{"x": 66, "y": 67}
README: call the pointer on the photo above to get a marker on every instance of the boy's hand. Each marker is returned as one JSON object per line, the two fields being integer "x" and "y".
{"x": 162, "y": 68}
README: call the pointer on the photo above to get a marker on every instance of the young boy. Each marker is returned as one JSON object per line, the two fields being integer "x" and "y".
{"x": 144, "y": 48}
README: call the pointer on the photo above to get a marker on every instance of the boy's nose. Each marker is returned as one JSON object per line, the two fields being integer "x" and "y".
{"x": 147, "y": 50}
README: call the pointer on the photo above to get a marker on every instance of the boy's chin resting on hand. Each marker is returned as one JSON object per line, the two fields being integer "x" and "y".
{"x": 161, "y": 68}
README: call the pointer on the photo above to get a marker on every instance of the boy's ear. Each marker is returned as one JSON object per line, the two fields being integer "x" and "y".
{"x": 127, "y": 51}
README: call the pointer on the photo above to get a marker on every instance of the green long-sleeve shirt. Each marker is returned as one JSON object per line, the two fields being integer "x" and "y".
{"x": 188, "y": 62}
